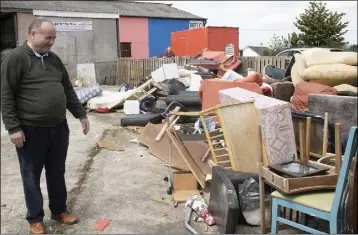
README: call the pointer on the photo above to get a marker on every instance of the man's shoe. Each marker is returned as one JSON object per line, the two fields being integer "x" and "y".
{"x": 66, "y": 218}
{"x": 37, "y": 228}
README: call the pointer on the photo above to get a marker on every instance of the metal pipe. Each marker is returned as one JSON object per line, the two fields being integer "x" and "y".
{"x": 187, "y": 221}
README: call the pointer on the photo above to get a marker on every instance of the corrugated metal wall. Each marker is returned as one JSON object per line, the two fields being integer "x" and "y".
{"x": 159, "y": 32}
{"x": 135, "y": 30}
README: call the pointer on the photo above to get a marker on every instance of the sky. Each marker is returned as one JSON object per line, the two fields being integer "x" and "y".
{"x": 258, "y": 21}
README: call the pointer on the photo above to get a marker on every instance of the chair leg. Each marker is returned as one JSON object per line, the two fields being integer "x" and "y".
{"x": 333, "y": 226}
{"x": 303, "y": 218}
{"x": 275, "y": 213}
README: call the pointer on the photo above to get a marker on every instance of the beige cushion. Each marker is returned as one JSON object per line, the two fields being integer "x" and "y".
{"x": 318, "y": 200}
{"x": 323, "y": 56}
{"x": 346, "y": 88}
{"x": 331, "y": 74}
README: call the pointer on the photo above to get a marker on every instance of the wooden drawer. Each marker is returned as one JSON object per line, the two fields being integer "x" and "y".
{"x": 297, "y": 185}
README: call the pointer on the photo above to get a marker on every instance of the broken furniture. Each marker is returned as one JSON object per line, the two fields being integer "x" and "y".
{"x": 291, "y": 185}
{"x": 227, "y": 139}
{"x": 352, "y": 211}
{"x": 114, "y": 99}
{"x": 327, "y": 205}
{"x": 317, "y": 149}
{"x": 224, "y": 203}
{"x": 275, "y": 120}
{"x": 341, "y": 109}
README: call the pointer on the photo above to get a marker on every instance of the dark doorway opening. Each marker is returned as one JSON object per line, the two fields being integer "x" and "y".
{"x": 8, "y": 31}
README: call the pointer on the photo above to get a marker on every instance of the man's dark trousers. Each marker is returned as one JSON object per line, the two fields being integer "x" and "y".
{"x": 45, "y": 147}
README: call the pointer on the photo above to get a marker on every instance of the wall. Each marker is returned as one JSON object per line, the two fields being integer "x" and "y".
{"x": 247, "y": 52}
{"x": 23, "y": 21}
{"x": 135, "y": 30}
{"x": 160, "y": 32}
{"x": 98, "y": 46}
{"x": 219, "y": 37}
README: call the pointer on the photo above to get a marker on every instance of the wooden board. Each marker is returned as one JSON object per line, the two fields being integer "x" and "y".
{"x": 240, "y": 127}
{"x": 160, "y": 148}
{"x": 188, "y": 159}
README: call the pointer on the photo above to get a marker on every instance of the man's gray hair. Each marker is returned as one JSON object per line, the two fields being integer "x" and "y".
{"x": 35, "y": 25}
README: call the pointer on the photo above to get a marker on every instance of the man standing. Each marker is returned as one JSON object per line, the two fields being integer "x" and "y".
{"x": 35, "y": 93}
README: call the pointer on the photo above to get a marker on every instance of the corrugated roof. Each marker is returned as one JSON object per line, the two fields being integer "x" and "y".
{"x": 123, "y": 8}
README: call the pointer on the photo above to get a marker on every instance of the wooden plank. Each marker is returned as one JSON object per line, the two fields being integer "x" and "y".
{"x": 188, "y": 159}
{"x": 238, "y": 122}
{"x": 338, "y": 147}
{"x": 308, "y": 139}
{"x": 160, "y": 149}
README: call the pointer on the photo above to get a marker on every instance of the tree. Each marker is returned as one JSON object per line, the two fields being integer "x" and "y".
{"x": 278, "y": 44}
{"x": 321, "y": 27}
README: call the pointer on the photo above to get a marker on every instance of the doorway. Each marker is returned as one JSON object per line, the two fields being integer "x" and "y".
{"x": 8, "y": 32}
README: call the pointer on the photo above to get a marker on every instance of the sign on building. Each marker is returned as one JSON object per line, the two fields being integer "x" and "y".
{"x": 73, "y": 26}
{"x": 229, "y": 49}
{"x": 195, "y": 24}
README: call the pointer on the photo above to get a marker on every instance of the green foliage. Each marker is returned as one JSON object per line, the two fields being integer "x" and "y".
{"x": 352, "y": 47}
{"x": 278, "y": 44}
{"x": 320, "y": 27}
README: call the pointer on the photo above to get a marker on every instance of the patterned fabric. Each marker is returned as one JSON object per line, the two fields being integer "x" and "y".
{"x": 86, "y": 93}
{"x": 275, "y": 120}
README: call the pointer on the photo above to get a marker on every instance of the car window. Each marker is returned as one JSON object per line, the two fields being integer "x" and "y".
{"x": 285, "y": 53}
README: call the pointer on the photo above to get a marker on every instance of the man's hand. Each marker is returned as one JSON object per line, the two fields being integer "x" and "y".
{"x": 85, "y": 125}
{"x": 18, "y": 138}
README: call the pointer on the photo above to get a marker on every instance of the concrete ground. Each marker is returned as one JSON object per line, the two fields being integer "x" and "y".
{"x": 102, "y": 184}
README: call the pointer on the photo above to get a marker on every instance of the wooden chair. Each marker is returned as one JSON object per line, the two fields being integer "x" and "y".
{"x": 327, "y": 205}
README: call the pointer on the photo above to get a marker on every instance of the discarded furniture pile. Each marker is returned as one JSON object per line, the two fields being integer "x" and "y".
{"x": 280, "y": 141}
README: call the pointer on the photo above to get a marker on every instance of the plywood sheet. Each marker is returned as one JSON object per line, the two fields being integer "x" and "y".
{"x": 275, "y": 119}
{"x": 160, "y": 148}
{"x": 240, "y": 126}
{"x": 186, "y": 156}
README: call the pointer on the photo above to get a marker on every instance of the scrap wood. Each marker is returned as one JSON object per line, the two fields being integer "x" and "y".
{"x": 132, "y": 93}
{"x": 160, "y": 149}
{"x": 175, "y": 168}
{"x": 206, "y": 155}
{"x": 102, "y": 224}
{"x": 110, "y": 145}
{"x": 186, "y": 156}
{"x": 171, "y": 118}
{"x": 161, "y": 200}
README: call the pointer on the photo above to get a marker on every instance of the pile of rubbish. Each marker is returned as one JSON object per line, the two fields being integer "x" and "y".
{"x": 211, "y": 79}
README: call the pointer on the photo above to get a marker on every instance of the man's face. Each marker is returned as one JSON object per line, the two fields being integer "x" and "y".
{"x": 45, "y": 38}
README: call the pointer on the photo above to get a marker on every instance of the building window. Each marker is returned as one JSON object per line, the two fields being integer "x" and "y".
{"x": 126, "y": 49}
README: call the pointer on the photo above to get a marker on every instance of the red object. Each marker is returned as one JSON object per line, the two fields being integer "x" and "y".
{"x": 299, "y": 100}
{"x": 102, "y": 224}
{"x": 103, "y": 110}
{"x": 222, "y": 62}
{"x": 254, "y": 78}
{"x": 193, "y": 41}
{"x": 209, "y": 90}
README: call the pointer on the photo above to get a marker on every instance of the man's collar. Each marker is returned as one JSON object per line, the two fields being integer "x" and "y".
{"x": 31, "y": 51}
